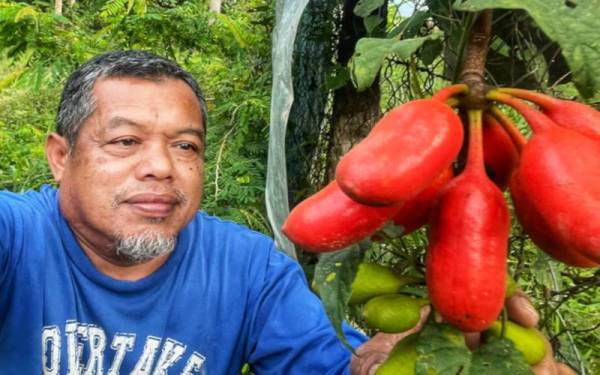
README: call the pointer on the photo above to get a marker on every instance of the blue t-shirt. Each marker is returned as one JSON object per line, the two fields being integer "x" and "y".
{"x": 224, "y": 297}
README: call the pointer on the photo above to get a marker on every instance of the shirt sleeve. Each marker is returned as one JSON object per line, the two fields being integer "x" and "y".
{"x": 5, "y": 236}
{"x": 290, "y": 332}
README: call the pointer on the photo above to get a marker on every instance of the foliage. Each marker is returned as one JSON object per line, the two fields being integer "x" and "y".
{"x": 25, "y": 119}
{"x": 228, "y": 53}
{"x": 333, "y": 276}
{"x": 577, "y": 41}
{"x": 523, "y": 55}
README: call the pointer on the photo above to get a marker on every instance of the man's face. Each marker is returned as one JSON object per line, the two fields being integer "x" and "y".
{"x": 137, "y": 164}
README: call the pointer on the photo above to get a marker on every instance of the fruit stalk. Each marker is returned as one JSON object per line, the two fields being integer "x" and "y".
{"x": 475, "y": 159}
{"x": 537, "y": 120}
{"x": 446, "y": 93}
{"x": 518, "y": 139}
{"x": 566, "y": 113}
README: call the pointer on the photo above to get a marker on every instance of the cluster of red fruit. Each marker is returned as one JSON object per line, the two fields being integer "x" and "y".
{"x": 403, "y": 171}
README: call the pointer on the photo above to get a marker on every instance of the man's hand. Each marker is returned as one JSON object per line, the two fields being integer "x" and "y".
{"x": 375, "y": 351}
{"x": 520, "y": 310}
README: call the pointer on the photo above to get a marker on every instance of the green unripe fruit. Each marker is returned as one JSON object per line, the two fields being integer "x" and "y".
{"x": 529, "y": 341}
{"x": 393, "y": 313}
{"x": 374, "y": 280}
{"x": 402, "y": 359}
{"x": 511, "y": 286}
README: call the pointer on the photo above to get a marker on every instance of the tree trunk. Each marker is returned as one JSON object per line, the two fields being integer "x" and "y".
{"x": 215, "y": 6}
{"x": 58, "y": 7}
{"x": 314, "y": 53}
{"x": 354, "y": 113}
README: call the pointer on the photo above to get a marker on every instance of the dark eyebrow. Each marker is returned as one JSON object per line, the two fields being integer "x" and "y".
{"x": 120, "y": 121}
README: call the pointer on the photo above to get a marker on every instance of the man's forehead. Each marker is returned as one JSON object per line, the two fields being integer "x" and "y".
{"x": 125, "y": 91}
{"x": 122, "y": 94}
{"x": 113, "y": 82}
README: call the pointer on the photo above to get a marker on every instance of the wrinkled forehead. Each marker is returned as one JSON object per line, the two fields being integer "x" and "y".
{"x": 150, "y": 99}
{"x": 120, "y": 88}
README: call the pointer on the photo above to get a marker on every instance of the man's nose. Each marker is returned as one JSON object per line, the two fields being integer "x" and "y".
{"x": 156, "y": 162}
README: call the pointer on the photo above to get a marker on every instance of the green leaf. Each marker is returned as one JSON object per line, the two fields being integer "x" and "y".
{"x": 27, "y": 12}
{"x": 574, "y": 28}
{"x": 130, "y": 4}
{"x": 430, "y": 51}
{"x": 371, "y": 22}
{"x": 499, "y": 357}
{"x": 409, "y": 27}
{"x": 334, "y": 275}
{"x": 113, "y": 7}
{"x": 234, "y": 29}
{"x": 441, "y": 349}
{"x": 366, "y": 7}
{"x": 337, "y": 78}
{"x": 370, "y": 53}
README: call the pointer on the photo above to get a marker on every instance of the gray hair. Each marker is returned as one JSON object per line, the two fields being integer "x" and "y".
{"x": 144, "y": 247}
{"x": 77, "y": 102}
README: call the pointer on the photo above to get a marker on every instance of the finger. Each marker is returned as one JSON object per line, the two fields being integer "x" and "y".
{"x": 547, "y": 369}
{"x": 367, "y": 363}
{"x": 547, "y": 366}
{"x": 521, "y": 311}
{"x": 472, "y": 339}
{"x": 563, "y": 369}
{"x": 373, "y": 369}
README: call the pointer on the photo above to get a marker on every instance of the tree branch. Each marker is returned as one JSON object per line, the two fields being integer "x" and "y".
{"x": 473, "y": 66}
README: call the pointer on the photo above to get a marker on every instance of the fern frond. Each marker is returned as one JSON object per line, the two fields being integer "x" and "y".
{"x": 27, "y": 12}
{"x": 11, "y": 77}
{"x": 140, "y": 7}
{"x": 233, "y": 28}
{"x": 113, "y": 8}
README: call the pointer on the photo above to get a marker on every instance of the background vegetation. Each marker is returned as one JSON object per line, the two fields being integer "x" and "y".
{"x": 229, "y": 52}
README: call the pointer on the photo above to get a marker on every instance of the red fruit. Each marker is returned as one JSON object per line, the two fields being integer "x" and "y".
{"x": 566, "y": 113}
{"x": 468, "y": 241}
{"x": 558, "y": 180}
{"x": 405, "y": 151}
{"x": 414, "y": 213}
{"x": 539, "y": 231}
{"x": 329, "y": 220}
{"x": 499, "y": 152}
{"x": 556, "y": 189}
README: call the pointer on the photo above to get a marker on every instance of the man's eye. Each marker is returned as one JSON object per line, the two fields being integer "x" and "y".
{"x": 187, "y": 147}
{"x": 125, "y": 142}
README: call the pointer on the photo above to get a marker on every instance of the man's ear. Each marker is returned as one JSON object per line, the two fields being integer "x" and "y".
{"x": 57, "y": 152}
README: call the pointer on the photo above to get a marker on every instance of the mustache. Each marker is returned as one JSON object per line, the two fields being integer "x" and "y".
{"x": 123, "y": 195}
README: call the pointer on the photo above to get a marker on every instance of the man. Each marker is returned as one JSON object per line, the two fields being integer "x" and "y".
{"x": 118, "y": 273}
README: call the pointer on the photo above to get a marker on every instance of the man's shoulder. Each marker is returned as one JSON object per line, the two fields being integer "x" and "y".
{"x": 222, "y": 228}
{"x": 30, "y": 201}
{"x": 232, "y": 247}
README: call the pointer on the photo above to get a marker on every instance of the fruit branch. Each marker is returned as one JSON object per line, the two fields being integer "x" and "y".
{"x": 473, "y": 66}
{"x": 475, "y": 156}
